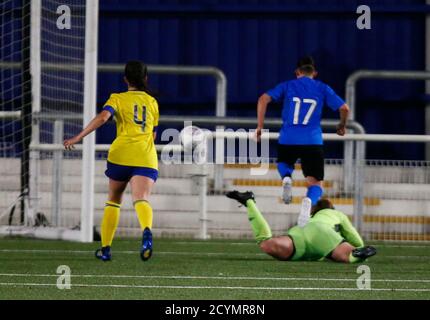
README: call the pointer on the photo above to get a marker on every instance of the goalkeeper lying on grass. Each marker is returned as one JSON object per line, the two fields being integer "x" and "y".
{"x": 328, "y": 234}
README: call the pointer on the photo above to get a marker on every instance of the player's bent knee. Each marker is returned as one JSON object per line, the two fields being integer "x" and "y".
{"x": 342, "y": 252}
{"x": 142, "y": 194}
{"x": 280, "y": 248}
{"x": 267, "y": 246}
{"x": 115, "y": 197}
{"x": 140, "y": 197}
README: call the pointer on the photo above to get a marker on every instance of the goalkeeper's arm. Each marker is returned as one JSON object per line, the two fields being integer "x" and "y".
{"x": 350, "y": 233}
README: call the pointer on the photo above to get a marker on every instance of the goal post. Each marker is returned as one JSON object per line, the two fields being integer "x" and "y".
{"x": 36, "y": 106}
{"x": 48, "y": 93}
{"x": 90, "y": 97}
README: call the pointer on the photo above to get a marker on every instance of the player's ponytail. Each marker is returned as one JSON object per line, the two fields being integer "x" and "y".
{"x": 136, "y": 74}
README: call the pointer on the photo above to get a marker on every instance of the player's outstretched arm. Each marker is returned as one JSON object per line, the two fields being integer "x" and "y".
{"x": 350, "y": 234}
{"x": 97, "y": 122}
{"x": 344, "y": 112}
{"x": 263, "y": 101}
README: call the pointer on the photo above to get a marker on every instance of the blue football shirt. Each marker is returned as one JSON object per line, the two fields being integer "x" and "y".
{"x": 303, "y": 101}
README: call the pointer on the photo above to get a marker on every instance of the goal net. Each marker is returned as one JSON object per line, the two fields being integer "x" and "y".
{"x": 48, "y": 79}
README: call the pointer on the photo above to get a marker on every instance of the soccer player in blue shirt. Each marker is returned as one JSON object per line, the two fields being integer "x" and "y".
{"x": 301, "y": 135}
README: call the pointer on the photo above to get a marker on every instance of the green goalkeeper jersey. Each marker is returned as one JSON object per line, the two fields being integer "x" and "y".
{"x": 322, "y": 234}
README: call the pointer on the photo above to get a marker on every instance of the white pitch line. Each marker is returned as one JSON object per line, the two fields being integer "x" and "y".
{"x": 133, "y": 252}
{"x": 209, "y": 287}
{"x": 386, "y": 245}
{"x": 403, "y": 257}
{"x": 233, "y": 254}
{"x": 424, "y": 246}
{"x": 121, "y": 276}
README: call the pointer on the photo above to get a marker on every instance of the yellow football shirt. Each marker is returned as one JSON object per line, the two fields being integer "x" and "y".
{"x": 136, "y": 116}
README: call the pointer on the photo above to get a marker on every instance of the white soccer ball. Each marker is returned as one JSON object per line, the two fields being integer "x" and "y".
{"x": 191, "y": 136}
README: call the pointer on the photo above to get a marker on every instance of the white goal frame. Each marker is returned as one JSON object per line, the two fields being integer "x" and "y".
{"x": 90, "y": 100}
{"x": 85, "y": 234}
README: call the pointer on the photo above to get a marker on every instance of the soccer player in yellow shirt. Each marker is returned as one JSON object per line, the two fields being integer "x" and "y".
{"x": 132, "y": 156}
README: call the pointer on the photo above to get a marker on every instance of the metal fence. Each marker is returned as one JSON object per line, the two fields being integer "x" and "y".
{"x": 351, "y": 95}
{"x": 217, "y": 74}
{"x": 396, "y": 200}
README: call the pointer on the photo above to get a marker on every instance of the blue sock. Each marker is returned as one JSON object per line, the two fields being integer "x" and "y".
{"x": 314, "y": 193}
{"x": 285, "y": 170}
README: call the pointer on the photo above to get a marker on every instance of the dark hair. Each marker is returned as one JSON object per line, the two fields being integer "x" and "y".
{"x": 136, "y": 73}
{"x": 321, "y": 205}
{"x": 306, "y": 65}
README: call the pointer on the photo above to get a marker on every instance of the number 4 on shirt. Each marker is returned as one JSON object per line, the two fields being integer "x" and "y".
{"x": 136, "y": 116}
{"x": 297, "y": 106}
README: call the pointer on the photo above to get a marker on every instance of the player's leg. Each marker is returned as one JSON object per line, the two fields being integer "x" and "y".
{"x": 315, "y": 190}
{"x": 313, "y": 169}
{"x": 281, "y": 248}
{"x": 259, "y": 225}
{"x": 112, "y": 211}
{"x": 347, "y": 253}
{"x": 141, "y": 187}
{"x": 342, "y": 252}
{"x": 141, "y": 190}
{"x": 286, "y": 159}
{"x": 118, "y": 179}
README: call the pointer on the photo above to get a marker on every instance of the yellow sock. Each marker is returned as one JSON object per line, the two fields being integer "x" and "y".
{"x": 144, "y": 213}
{"x": 110, "y": 222}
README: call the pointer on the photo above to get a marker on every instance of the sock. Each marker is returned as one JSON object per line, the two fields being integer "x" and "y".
{"x": 314, "y": 193}
{"x": 285, "y": 170}
{"x": 353, "y": 259}
{"x": 110, "y": 222}
{"x": 259, "y": 225}
{"x": 144, "y": 213}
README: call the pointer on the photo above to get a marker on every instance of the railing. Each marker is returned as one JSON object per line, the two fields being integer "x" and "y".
{"x": 351, "y": 94}
{"x": 354, "y": 126}
{"x": 351, "y": 82}
{"x": 221, "y": 80}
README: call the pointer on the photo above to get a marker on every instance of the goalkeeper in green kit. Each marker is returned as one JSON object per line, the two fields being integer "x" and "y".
{"x": 328, "y": 234}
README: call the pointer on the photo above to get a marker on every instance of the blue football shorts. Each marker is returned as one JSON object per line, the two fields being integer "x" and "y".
{"x": 125, "y": 173}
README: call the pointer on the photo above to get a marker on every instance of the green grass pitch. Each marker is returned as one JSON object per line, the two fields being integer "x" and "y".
{"x": 192, "y": 269}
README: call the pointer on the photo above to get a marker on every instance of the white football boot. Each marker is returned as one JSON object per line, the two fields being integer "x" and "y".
{"x": 287, "y": 190}
{"x": 305, "y": 212}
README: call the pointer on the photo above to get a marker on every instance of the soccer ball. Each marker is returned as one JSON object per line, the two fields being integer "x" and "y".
{"x": 191, "y": 136}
